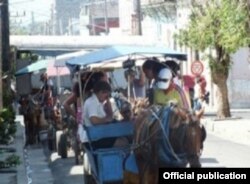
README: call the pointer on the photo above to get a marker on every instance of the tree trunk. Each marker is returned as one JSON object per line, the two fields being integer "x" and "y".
{"x": 223, "y": 108}
{"x": 220, "y": 70}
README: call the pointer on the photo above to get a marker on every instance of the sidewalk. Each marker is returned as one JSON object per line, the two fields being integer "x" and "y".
{"x": 34, "y": 168}
{"x": 236, "y": 128}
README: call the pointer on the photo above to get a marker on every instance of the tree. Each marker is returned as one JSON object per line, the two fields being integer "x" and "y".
{"x": 221, "y": 26}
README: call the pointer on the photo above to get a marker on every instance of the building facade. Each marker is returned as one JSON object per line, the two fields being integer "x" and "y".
{"x": 65, "y": 16}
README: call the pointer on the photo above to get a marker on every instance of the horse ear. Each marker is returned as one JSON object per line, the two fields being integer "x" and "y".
{"x": 146, "y": 102}
{"x": 199, "y": 115}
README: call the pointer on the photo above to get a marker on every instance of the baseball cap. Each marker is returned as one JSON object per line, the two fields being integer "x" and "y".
{"x": 164, "y": 78}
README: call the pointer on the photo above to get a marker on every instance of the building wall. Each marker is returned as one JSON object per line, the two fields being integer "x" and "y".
{"x": 126, "y": 16}
{"x": 239, "y": 79}
{"x": 23, "y": 82}
{"x": 65, "y": 11}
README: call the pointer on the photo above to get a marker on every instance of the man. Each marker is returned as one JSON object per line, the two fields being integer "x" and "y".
{"x": 200, "y": 96}
{"x": 47, "y": 89}
{"x": 151, "y": 68}
{"x": 175, "y": 68}
{"x": 136, "y": 85}
{"x": 167, "y": 91}
{"x": 48, "y": 96}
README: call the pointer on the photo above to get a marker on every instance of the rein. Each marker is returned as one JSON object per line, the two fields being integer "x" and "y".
{"x": 161, "y": 127}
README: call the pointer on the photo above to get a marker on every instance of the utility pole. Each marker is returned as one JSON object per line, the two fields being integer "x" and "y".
{"x": 5, "y": 43}
{"x": 92, "y": 15}
{"x": 1, "y": 84}
{"x": 4, "y": 46}
{"x": 138, "y": 17}
{"x": 106, "y": 17}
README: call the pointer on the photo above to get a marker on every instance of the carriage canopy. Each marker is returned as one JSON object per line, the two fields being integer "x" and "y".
{"x": 115, "y": 52}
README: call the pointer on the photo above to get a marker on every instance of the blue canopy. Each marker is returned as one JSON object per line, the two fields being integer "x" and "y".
{"x": 114, "y": 52}
{"x": 39, "y": 65}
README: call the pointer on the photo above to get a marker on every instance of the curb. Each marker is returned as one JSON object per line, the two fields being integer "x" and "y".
{"x": 19, "y": 144}
{"x": 34, "y": 167}
{"x": 234, "y": 129}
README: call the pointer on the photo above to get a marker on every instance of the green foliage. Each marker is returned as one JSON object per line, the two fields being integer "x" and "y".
{"x": 217, "y": 24}
{"x": 11, "y": 161}
{"x": 7, "y": 125}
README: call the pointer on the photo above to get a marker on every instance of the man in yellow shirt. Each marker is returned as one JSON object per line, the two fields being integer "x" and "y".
{"x": 167, "y": 92}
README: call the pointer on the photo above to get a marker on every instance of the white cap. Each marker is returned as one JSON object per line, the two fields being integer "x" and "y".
{"x": 164, "y": 78}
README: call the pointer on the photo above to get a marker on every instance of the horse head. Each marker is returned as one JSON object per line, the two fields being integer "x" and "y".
{"x": 187, "y": 136}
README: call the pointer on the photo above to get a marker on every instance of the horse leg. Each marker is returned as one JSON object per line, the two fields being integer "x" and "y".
{"x": 194, "y": 161}
{"x": 38, "y": 126}
{"x": 29, "y": 131}
{"x": 149, "y": 177}
{"x": 26, "y": 123}
{"x": 32, "y": 129}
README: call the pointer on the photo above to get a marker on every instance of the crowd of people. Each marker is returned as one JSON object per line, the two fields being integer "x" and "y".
{"x": 162, "y": 79}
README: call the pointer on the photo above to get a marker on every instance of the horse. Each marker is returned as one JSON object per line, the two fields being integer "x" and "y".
{"x": 32, "y": 118}
{"x": 163, "y": 139}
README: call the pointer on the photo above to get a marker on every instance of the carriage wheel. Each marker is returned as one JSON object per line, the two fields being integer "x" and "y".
{"x": 77, "y": 150}
{"x": 52, "y": 138}
{"x": 88, "y": 179}
{"x": 87, "y": 176}
{"x": 61, "y": 140}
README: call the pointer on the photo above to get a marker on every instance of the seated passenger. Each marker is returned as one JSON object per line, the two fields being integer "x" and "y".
{"x": 136, "y": 84}
{"x": 93, "y": 108}
{"x": 94, "y": 111}
{"x": 126, "y": 112}
{"x": 151, "y": 68}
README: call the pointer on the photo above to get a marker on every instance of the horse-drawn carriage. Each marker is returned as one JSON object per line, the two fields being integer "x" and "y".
{"x": 160, "y": 137}
{"x": 46, "y": 122}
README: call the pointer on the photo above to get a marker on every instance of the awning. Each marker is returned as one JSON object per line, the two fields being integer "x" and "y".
{"x": 46, "y": 65}
{"x": 39, "y": 65}
{"x": 55, "y": 66}
{"x": 115, "y": 52}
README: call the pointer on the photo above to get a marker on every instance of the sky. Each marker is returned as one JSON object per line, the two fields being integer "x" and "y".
{"x": 41, "y": 9}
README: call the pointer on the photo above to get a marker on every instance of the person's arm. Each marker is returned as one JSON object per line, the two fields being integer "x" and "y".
{"x": 199, "y": 113}
{"x": 141, "y": 80}
{"x": 68, "y": 102}
{"x": 108, "y": 108}
{"x": 181, "y": 112}
{"x": 97, "y": 120}
{"x": 91, "y": 110}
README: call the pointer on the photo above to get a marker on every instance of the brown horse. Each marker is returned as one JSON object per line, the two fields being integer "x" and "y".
{"x": 32, "y": 118}
{"x": 165, "y": 142}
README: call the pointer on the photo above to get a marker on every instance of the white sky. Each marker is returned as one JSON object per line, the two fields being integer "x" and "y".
{"x": 41, "y": 9}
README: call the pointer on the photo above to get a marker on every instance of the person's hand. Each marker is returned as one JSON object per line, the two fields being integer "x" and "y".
{"x": 108, "y": 118}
